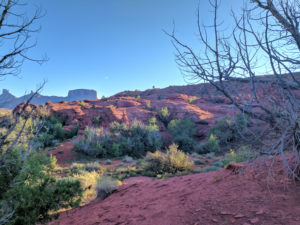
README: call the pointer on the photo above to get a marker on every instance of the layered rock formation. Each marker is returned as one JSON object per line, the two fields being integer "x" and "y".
{"x": 207, "y": 107}
{"x": 9, "y": 101}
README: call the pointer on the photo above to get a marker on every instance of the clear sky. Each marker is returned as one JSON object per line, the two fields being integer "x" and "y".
{"x": 110, "y": 45}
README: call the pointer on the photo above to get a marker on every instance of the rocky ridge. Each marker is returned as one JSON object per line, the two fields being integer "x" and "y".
{"x": 9, "y": 101}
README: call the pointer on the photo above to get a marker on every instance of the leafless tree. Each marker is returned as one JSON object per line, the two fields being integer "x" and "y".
{"x": 16, "y": 30}
{"x": 265, "y": 39}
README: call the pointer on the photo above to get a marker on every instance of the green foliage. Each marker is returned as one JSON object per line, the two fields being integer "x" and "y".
{"x": 192, "y": 100}
{"x": 77, "y": 168}
{"x": 159, "y": 97}
{"x": 211, "y": 168}
{"x": 134, "y": 140}
{"x": 148, "y": 105}
{"x": 106, "y": 185}
{"x": 112, "y": 107}
{"x": 229, "y": 130}
{"x": 172, "y": 161}
{"x": 244, "y": 153}
{"x": 53, "y": 131}
{"x": 97, "y": 120}
{"x": 164, "y": 115}
{"x": 30, "y": 193}
{"x": 182, "y": 132}
{"x": 223, "y": 130}
{"x": 88, "y": 182}
{"x": 138, "y": 96}
{"x": 152, "y": 124}
{"x": 82, "y": 103}
{"x": 212, "y": 145}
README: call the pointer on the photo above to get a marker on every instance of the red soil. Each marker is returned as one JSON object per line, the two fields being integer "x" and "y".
{"x": 63, "y": 153}
{"x": 219, "y": 197}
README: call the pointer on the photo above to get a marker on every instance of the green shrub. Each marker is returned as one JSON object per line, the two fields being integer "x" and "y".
{"x": 35, "y": 195}
{"x": 77, "y": 168}
{"x": 82, "y": 103}
{"x": 90, "y": 143}
{"x": 244, "y": 153}
{"x": 152, "y": 125}
{"x": 134, "y": 140}
{"x": 182, "y": 132}
{"x": 172, "y": 161}
{"x": 148, "y": 105}
{"x": 97, "y": 120}
{"x": 242, "y": 121}
{"x": 228, "y": 130}
{"x": 212, "y": 145}
{"x": 53, "y": 131}
{"x": 112, "y": 107}
{"x": 106, "y": 186}
{"x": 164, "y": 115}
{"x": 192, "y": 100}
{"x": 88, "y": 182}
{"x": 138, "y": 96}
{"x": 211, "y": 168}
{"x": 223, "y": 130}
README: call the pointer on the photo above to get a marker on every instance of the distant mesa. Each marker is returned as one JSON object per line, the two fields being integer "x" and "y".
{"x": 9, "y": 101}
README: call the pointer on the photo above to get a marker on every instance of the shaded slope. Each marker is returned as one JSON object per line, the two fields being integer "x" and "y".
{"x": 219, "y": 197}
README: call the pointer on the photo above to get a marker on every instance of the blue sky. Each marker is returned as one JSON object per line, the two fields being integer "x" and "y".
{"x": 110, "y": 45}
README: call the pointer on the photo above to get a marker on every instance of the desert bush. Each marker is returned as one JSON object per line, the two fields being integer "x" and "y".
{"x": 210, "y": 168}
{"x": 52, "y": 131}
{"x": 182, "y": 132}
{"x": 112, "y": 107}
{"x": 148, "y": 105}
{"x": 152, "y": 124}
{"x": 88, "y": 182}
{"x": 223, "y": 130}
{"x": 172, "y": 161}
{"x": 106, "y": 185}
{"x": 82, "y": 103}
{"x": 97, "y": 121}
{"x": 229, "y": 129}
{"x": 212, "y": 145}
{"x": 192, "y": 100}
{"x": 164, "y": 115}
{"x": 127, "y": 159}
{"x": 90, "y": 143}
{"x": 134, "y": 140}
{"x": 77, "y": 168}
{"x": 244, "y": 153}
{"x": 35, "y": 192}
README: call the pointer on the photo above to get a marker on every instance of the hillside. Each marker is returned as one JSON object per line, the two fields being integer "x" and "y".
{"x": 9, "y": 101}
{"x": 220, "y": 197}
{"x": 243, "y": 194}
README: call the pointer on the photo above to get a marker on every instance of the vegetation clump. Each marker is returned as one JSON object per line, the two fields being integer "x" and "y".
{"x": 182, "y": 132}
{"x": 35, "y": 191}
{"x": 244, "y": 153}
{"x": 192, "y": 100}
{"x": 120, "y": 140}
{"x": 164, "y": 115}
{"x": 53, "y": 132}
{"x": 212, "y": 145}
{"x": 226, "y": 133}
{"x": 172, "y": 161}
{"x": 82, "y": 103}
{"x": 106, "y": 185}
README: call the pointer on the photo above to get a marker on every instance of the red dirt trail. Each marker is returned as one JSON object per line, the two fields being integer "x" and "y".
{"x": 218, "y": 197}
